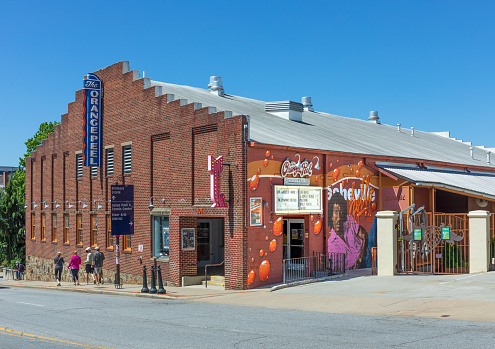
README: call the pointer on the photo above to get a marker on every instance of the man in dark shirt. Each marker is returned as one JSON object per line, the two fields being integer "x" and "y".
{"x": 59, "y": 266}
{"x": 98, "y": 259}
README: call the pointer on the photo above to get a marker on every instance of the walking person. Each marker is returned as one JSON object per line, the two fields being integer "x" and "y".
{"x": 59, "y": 266}
{"x": 75, "y": 261}
{"x": 89, "y": 266}
{"x": 98, "y": 259}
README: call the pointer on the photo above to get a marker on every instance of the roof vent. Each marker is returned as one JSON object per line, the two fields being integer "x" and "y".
{"x": 471, "y": 152}
{"x": 488, "y": 157}
{"x": 398, "y": 127}
{"x": 285, "y": 109}
{"x": 412, "y": 131}
{"x": 306, "y": 102}
{"x": 216, "y": 86}
{"x": 374, "y": 117}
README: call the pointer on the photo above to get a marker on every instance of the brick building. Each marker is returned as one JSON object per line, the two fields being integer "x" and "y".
{"x": 284, "y": 165}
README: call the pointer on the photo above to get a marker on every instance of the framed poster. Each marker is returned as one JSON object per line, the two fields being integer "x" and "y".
{"x": 255, "y": 211}
{"x": 188, "y": 239}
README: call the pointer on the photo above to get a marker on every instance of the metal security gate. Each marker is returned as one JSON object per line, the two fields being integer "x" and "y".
{"x": 433, "y": 244}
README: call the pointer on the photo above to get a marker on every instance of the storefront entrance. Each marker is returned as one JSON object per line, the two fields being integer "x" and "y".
{"x": 293, "y": 238}
{"x": 210, "y": 242}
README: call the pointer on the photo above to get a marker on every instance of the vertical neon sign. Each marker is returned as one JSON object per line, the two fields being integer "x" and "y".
{"x": 215, "y": 167}
{"x": 92, "y": 120}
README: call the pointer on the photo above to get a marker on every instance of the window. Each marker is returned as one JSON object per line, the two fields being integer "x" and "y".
{"x": 33, "y": 226}
{"x": 127, "y": 158}
{"x": 54, "y": 227}
{"x": 66, "y": 228}
{"x": 94, "y": 230}
{"x": 79, "y": 229}
{"x": 161, "y": 245}
{"x": 43, "y": 226}
{"x": 109, "y": 232}
{"x": 126, "y": 242}
{"x": 110, "y": 162}
{"x": 79, "y": 165}
{"x": 94, "y": 171}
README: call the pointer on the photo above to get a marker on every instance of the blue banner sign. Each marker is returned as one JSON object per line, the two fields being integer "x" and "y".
{"x": 92, "y": 120}
{"x": 122, "y": 209}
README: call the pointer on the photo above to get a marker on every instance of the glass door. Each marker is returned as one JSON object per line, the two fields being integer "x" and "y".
{"x": 203, "y": 242}
{"x": 293, "y": 239}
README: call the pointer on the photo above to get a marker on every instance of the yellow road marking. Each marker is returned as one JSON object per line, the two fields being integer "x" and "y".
{"x": 46, "y": 339}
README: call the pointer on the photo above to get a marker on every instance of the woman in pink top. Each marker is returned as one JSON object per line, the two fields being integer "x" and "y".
{"x": 74, "y": 263}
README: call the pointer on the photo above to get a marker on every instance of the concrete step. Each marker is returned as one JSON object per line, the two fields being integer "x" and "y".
{"x": 215, "y": 280}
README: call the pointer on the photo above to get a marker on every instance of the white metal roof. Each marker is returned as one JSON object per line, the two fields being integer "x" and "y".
{"x": 474, "y": 183}
{"x": 325, "y": 131}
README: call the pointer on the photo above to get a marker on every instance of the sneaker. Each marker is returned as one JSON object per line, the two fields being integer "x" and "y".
{"x": 102, "y": 282}
{"x": 94, "y": 282}
{"x": 87, "y": 283}
{"x": 58, "y": 284}
{"x": 74, "y": 284}
{"x": 78, "y": 283}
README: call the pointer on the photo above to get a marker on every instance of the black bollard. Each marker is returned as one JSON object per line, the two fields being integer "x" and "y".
{"x": 153, "y": 286}
{"x": 145, "y": 282}
{"x": 161, "y": 290}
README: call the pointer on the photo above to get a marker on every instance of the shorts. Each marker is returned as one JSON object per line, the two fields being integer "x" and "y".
{"x": 89, "y": 268}
{"x": 98, "y": 270}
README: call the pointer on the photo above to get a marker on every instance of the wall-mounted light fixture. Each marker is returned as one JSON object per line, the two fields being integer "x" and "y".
{"x": 57, "y": 205}
{"x": 34, "y": 203}
{"x": 298, "y": 164}
{"x": 151, "y": 202}
{"x": 46, "y": 203}
{"x": 317, "y": 166}
{"x": 83, "y": 202}
{"x": 26, "y": 206}
{"x": 98, "y": 202}
{"x": 68, "y": 202}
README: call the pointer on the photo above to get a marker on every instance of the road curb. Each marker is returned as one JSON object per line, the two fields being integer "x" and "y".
{"x": 304, "y": 282}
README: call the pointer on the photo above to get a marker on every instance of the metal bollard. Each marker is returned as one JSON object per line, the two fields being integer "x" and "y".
{"x": 145, "y": 282}
{"x": 153, "y": 286}
{"x": 161, "y": 290}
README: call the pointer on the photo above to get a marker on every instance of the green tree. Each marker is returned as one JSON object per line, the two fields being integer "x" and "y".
{"x": 12, "y": 223}
{"x": 45, "y": 129}
{"x": 12, "y": 218}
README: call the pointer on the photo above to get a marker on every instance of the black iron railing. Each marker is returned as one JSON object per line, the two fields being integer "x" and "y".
{"x": 319, "y": 266}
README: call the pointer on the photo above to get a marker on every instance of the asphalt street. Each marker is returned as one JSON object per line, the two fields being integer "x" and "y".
{"x": 33, "y": 318}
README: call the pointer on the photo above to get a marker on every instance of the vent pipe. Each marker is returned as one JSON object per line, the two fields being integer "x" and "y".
{"x": 412, "y": 131}
{"x": 398, "y": 127}
{"x": 306, "y": 102}
{"x": 471, "y": 151}
{"x": 488, "y": 157}
{"x": 374, "y": 117}
{"x": 216, "y": 86}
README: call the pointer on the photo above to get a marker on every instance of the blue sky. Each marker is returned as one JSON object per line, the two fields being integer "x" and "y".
{"x": 426, "y": 64}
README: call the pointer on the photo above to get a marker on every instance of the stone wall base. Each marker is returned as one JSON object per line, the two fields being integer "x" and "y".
{"x": 42, "y": 269}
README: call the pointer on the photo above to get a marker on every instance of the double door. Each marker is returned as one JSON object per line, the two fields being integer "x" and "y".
{"x": 293, "y": 238}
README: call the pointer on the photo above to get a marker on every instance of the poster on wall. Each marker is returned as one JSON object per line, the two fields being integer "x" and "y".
{"x": 255, "y": 211}
{"x": 188, "y": 239}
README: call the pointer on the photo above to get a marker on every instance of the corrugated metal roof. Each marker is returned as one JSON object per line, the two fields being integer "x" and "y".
{"x": 324, "y": 131}
{"x": 475, "y": 183}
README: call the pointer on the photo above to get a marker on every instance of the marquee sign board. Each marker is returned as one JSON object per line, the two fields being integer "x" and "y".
{"x": 297, "y": 199}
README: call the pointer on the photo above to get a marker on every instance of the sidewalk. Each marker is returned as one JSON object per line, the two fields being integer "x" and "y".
{"x": 190, "y": 292}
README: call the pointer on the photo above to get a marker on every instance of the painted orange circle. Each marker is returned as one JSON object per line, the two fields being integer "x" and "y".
{"x": 278, "y": 226}
{"x": 250, "y": 277}
{"x": 261, "y": 252}
{"x": 253, "y": 184}
{"x": 273, "y": 245}
{"x": 264, "y": 270}
{"x": 317, "y": 227}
